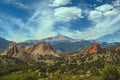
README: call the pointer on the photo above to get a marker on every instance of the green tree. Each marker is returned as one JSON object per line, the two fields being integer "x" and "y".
{"x": 94, "y": 71}
{"x": 110, "y": 72}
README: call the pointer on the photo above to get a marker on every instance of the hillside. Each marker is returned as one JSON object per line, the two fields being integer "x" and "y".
{"x": 3, "y": 44}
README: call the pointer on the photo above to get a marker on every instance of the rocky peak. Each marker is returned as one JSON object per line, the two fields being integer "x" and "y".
{"x": 13, "y": 45}
{"x": 95, "y": 48}
{"x": 13, "y": 48}
{"x": 39, "y": 50}
{"x": 42, "y": 49}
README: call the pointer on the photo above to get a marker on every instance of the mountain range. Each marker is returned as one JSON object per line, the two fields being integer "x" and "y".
{"x": 49, "y": 48}
{"x": 61, "y": 44}
{"x": 64, "y": 44}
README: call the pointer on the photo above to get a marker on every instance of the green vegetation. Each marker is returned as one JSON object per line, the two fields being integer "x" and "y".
{"x": 110, "y": 72}
{"x": 82, "y": 67}
{"x": 21, "y": 75}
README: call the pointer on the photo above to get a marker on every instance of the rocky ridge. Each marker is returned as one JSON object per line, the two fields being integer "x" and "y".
{"x": 26, "y": 52}
{"x": 95, "y": 48}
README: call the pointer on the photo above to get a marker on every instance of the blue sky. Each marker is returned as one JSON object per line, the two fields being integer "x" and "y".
{"x": 80, "y": 19}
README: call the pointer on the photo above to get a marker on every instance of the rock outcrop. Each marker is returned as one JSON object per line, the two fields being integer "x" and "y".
{"x": 39, "y": 51}
{"x": 42, "y": 49}
{"x": 12, "y": 49}
{"x": 95, "y": 48}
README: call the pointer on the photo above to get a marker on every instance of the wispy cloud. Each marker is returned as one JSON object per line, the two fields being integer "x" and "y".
{"x": 20, "y": 5}
{"x": 104, "y": 8}
{"x": 104, "y": 23}
{"x": 13, "y": 27}
{"x": 100, "y": 29}
{"x": 68, "y": 13}
{"x": 57, "y": 3}
{"x": 43, "y": 19}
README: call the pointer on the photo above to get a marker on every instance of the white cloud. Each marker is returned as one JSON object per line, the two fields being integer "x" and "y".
{"x": 95, "y": 14}
{"x": 96, "y": 31}
{"x": 45, "y": 28}
{"x": 116, "y": 3}
{"x": 113, "y": 37}
{"x": 104, "y": 23}
{"x": 8, "y": 24}
{"x": 20, "y": 5}
{"x": 66, "y": 31}
{"x": 105, "y": 7}
{"x": 99, "y": 0}
{"x": 111, "y": 13}
{"x": 116, "y": 39}
{"x": 105, "y": 20}
{"x": 68, "y": 13}
{"x": 39, "y": 25}
{"x": 42, "y": 22}
{"x": 102, "y": 12}
{"x": 57, "y": 3}
{"x": 17, "y": 38}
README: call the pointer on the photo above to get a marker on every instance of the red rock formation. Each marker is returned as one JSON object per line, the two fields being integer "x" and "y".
{"x": 95, "y": 48}
{"x": 67, "y": 55}
{"x": 13, "y": 49}
{"x": 42, "y": 49}
{"x": 39, "y": 49}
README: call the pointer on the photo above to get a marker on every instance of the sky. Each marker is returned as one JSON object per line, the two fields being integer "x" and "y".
{"x": 22, "y": 20}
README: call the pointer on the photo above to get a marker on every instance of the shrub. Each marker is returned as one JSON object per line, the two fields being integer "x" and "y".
{"x": 110, "y": 72}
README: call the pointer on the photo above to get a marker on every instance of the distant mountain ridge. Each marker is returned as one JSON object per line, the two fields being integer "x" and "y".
{"x": 4, "y": 43}
{"x": 61, "y": 38}
{"x": 64, "y": 44}
{"x": 45, "y": 51}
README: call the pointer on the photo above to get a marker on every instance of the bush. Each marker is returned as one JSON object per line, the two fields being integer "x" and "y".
{"x": 110, "y": 72}
{"x": 21, "y": 75}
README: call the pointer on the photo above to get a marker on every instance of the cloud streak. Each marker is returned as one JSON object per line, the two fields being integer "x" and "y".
{"x": 101, "y": 29}
{"x": 106, "y": 23}
{"x": 57, "y": 3}
{"x": 43, "y": 20}
{"x": 68, "y": 13}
